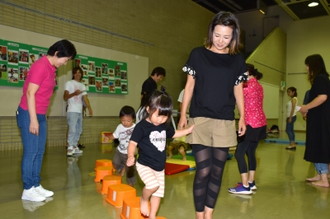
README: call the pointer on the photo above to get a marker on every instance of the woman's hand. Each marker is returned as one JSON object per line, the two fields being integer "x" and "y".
{"x": 34, "y": 127}
{"x": 130, "y": 161}
{"x": 303, "y": 109}
{"x": 241, "y": 127}
{"x": 182, "y": 122}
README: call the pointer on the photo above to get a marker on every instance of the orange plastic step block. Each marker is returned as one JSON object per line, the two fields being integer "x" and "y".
{"x": 131, "y": 209}
{"x": 101, "y": 172}
{"x": 103, "y": 162}
{"x": 117, "y": 194}
{"x": 108, "y": 181}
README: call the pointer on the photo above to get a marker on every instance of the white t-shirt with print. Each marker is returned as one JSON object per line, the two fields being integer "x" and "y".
{"x": 123, "y": 134}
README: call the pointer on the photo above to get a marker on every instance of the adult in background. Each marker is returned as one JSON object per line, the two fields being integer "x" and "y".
{"x": 75, "y": 94}
{"x": 150, "y": 84}
{"x": 31, "y": 116}
{"x": 291, "y": 117}
{"x": 256, "y": 126}
{"x": 317, "y": 111}
{"x": 214, "y": 75}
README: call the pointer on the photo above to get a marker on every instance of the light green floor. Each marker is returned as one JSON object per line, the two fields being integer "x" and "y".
{"x": 282, "y": 191}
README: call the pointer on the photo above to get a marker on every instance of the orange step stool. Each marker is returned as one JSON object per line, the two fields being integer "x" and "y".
{"x": 108, "y": 181}
{"x": 131, "y": 209}
{"x": 103, "y": 162}
{"x": 101, "y": 172}
{"x": 117, "y": 194}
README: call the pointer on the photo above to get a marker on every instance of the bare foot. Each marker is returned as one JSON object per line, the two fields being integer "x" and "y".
{"x": 321, "y": 184}
{"x": 314, "y": 179}
{"x": 144, "y": 207}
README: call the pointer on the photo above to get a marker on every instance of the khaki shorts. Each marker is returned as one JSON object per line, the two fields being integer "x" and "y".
{"x": 213, "y": 132}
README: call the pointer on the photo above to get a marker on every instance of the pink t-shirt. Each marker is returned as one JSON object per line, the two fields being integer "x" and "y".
{"x": 253, "y": 104}
{"x": 41, "y": 73}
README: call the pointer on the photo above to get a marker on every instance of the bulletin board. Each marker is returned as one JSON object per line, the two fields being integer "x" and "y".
{"x": 103, "y": 76}
{"x": 15, "y": 61}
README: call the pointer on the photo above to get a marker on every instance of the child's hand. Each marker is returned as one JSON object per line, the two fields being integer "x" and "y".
{"x": 190, "y": 129}
{"x": 130, "y": 161}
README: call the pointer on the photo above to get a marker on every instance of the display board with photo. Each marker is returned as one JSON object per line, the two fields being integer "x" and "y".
{"x": 15, "y": 61}
{"x": 103, "y": 76}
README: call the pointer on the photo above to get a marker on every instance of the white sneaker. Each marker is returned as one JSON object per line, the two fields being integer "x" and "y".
{"x": 43, "y": 192}
{"x": 76, "y": 150}
{"x": 32, "y": 195}
{"x": 69, "y": 151}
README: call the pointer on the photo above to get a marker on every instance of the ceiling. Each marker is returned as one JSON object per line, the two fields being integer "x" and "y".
{"x": 296, "y": 9}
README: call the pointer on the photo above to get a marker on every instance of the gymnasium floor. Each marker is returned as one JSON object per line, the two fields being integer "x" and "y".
{"x": 282, "y": 191}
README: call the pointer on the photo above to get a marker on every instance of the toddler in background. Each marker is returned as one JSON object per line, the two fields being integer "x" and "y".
{"x": 123, "y": 133}
{"x": 151, "y": 134}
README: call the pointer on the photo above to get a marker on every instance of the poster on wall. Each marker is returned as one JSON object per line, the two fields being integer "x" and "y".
{"x": 15, "y": 61}
{"x": 103, "y": 76}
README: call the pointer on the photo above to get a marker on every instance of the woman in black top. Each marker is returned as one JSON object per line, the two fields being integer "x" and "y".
{"x": 318, "y": 120}
{"x": 214, "y": 75}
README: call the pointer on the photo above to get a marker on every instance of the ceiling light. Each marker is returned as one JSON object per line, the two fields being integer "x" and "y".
{"x": 313, "y": 4}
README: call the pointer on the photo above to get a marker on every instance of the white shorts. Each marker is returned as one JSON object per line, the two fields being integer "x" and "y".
{"x": 152, "y": 179}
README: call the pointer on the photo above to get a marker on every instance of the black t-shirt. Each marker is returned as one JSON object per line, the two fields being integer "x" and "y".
{"x": 148, "y": 86}
{"x": 151, "y": 140}
{"x": 215, "y": 77}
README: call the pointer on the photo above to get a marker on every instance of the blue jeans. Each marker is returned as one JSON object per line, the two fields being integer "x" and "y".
{"x": 75, "y": 127}
{"x": 289, "y": 129}
{"x": 321, "y": 168}
{"x": 33, "y": 147}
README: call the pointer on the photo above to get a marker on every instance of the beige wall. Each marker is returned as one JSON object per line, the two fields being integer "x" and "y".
{"x": 161, "y": 32}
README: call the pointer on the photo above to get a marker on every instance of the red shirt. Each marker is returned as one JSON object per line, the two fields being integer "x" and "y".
{"x": 253, "y": 104}
{"x": 41, "y": 73}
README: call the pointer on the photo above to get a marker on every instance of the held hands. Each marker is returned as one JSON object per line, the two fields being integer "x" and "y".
{"x": 303, "y": 109}
{"x": 77, "y": 92}
{"x": 130, "y": 161}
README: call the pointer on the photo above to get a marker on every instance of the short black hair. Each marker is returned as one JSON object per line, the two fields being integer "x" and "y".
{"x": 64, "y": 48}
{"x": 127, "y": 111}
{"x": 159, "y": 71}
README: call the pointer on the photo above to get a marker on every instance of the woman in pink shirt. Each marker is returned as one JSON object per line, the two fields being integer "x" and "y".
{"x": 255, "y": 120}
{"x": 31, "y": 115}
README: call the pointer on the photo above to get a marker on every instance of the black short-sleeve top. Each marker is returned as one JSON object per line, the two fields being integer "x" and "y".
{"x": 151, "y": 141}
{"x": 215, "y": 77}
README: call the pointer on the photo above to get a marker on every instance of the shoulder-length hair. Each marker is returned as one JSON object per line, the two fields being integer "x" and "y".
{"x": 226, "y": 19}
{"x": 316, "y": 67}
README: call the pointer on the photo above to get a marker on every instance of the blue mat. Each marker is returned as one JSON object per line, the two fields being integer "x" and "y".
{"x": 282, "y": 141}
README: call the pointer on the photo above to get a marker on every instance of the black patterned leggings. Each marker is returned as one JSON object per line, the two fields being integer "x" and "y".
{"x": 247, "y": 148}
{"x": 210, "y": 163}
